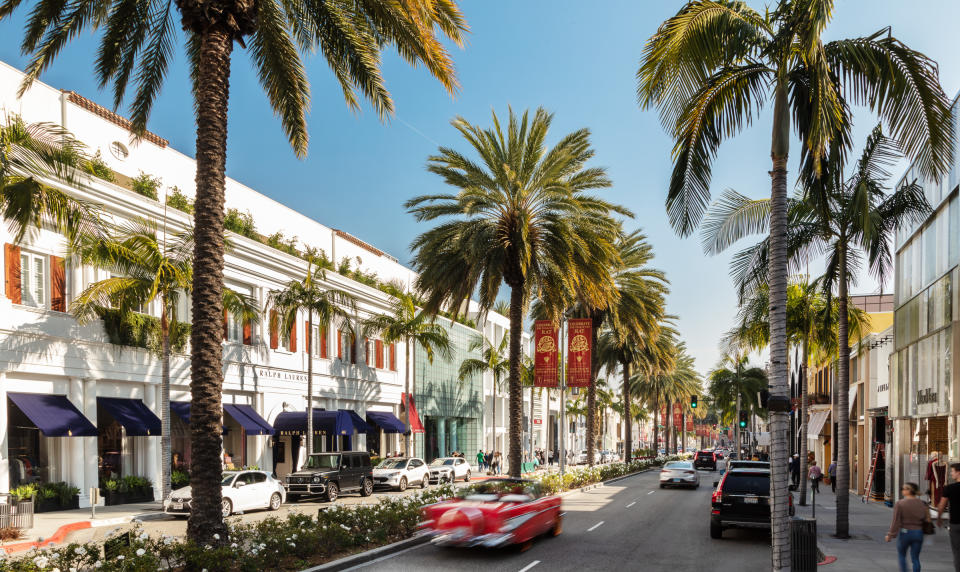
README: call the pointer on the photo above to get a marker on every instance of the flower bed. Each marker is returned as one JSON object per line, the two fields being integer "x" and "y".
{"x": 292, "y": 543}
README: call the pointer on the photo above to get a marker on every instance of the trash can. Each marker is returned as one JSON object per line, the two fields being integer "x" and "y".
{"x": 803, "y": 537}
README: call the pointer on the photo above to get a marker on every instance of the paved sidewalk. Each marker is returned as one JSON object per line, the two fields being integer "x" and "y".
{"x": 866, "y": 549}
{"x": 46, "y": 525}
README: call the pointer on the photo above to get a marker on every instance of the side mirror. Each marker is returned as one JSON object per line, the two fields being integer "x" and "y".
{"x": 239, "y": 484}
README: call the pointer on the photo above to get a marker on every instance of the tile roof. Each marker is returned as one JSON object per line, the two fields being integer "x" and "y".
{"x": 112, "y": 117}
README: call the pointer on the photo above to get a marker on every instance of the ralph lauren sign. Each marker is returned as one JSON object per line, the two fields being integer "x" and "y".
{"x": 283, "y": 375}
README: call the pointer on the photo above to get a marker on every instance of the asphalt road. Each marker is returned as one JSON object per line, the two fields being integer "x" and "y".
{"x": 628, "y": 525}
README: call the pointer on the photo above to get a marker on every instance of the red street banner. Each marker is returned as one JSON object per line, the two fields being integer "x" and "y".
{"x": 677, "y": 416}
{"x": 546, "y": 370}
{"x": 579, "y": 335}
{"x": 690, "y": 425}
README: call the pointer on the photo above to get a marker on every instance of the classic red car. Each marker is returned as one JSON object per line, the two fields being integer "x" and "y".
{"x": 494, "y": 513}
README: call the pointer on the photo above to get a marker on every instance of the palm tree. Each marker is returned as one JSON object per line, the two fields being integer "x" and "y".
{"x": 148, "y": 268}
{"x": 521, "y": 217}
{"x": 29, "y": 154}
{"x": 322, "y": 306}
{"x": 136, "y": 47}
{"x": 413, "y": 327}
{"x": 492, "y": 359}
{"x": 710, "y": 68}
{"x": 734, "y": 386}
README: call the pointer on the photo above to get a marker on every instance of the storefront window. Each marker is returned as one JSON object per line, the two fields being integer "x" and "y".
{"x": 109, "y": 445}
{"x": 26, "y": 448}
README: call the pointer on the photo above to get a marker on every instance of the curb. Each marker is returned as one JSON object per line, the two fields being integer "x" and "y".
{"x": 61, "y": 534}
{"x": 369, "y": 555}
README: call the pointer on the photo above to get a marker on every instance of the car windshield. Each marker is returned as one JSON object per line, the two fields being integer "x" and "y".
{"x": 503, "y": 490}
{"x": 678, "y": 465}
{"x": 747, "y": 484}
{"x": 227, "y": 479}
{"x": 323, "y": 462}
{"x": 442, "y": 462}
{"x": 393, "y": 464}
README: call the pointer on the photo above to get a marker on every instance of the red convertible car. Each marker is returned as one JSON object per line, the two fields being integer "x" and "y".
{"x": 494, "y": 513}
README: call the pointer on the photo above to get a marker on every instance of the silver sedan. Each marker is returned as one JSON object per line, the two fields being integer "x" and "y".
{"x": 679, "y": 474}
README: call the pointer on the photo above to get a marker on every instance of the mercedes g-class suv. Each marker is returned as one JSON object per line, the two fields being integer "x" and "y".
{"x": 742, "y": 500}
{"x": 330, "y": 474}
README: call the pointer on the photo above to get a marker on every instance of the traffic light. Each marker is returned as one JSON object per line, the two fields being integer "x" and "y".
{"x": 693, "y": 401}
{"x": 743, "y": 419}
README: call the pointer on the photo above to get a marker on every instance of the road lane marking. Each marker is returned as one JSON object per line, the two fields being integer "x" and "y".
{"x": 651, "y": 492}
{"x": 631, "y": 504}
{"x": 529, "y": 566}
{"x": 591, "y": 529}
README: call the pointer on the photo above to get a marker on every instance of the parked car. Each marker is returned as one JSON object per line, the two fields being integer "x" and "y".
{"x": 330, "y": 474}
{"x": 492, "y": 514}
{"x": 241, "y": 490}
{"x": 705, "y": 460}
{"x": 742, "y": 500}
{"x": 679, "y": 474}
{"x": 449, "y": 469}
{"x": 737, "y": 464}
{"x": 400, "y": 472}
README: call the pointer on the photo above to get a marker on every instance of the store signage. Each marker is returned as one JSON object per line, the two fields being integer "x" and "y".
{"x": 579, "y": 341}
{"x": 281, "y": 374}
{"x": 546, "y": 367}
{"x": 537, "y": 421}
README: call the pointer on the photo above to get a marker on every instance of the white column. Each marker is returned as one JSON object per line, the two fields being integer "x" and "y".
{"x": 152, "y": 442}
{"x": 90, "y": 453}
{"x": 72, "y": 448}
{"x": 4, "y": 439}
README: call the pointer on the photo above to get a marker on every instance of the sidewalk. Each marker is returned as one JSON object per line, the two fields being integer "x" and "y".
{"x": 866, "y": 549}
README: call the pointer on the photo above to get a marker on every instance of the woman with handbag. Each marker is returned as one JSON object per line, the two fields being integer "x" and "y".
{"x": 911, "y": 520}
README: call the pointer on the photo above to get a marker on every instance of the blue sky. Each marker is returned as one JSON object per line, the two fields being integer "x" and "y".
{"x": 577, "y": 59}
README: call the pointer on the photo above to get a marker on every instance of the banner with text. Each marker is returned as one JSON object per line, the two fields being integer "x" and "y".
{"x": 546, "y": 371}
{"x": 579, "y": 336}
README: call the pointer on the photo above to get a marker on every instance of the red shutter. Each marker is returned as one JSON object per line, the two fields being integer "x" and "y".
{"x": 308, "y": 337}
{"x": 379, "y": 347}
{"x": 11, "y": 257}
{"x": 225, "y": 324}
{"x": 323, "y": 342}
{"x": 293, "y": 336}
{"x": 247, "y": 334}
{"x": 58, "y": 286}
{"x": 339, "y": 344}
{"x": 274, "y": 342}
{"x": 393, "y": 357}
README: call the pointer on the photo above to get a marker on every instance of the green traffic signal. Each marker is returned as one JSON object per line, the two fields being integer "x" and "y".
{"x": 693, "y": 401}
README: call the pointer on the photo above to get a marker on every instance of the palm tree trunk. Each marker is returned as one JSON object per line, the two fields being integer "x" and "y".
{"x": 656, "y": 426}
{"x": 627, "y": 421}
{"x": 165, "y": 461}
{"x": 309, "y": 337}
{"x": 493, "y": 444}
{"x": 779, "y": 151}
{"x": 206, "y": 367}
{"x": 595, "y": 322}
{"x": 667, "y": 425}
{"x": 516, "y": 397}
{"x": 803, "y": 424}
{"x": 842, "y": 443}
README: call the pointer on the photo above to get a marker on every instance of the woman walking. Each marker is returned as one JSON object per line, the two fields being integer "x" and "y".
{"x": 909, "y": 514}
{"x": 814, "y": 477}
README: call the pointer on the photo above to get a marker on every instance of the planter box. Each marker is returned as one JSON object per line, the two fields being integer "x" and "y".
{"x": 112, "y": 498}
{"x": 52, "y": 505}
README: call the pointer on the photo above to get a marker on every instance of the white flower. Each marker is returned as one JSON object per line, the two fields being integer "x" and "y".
{"x": 204, "y": 570}
{"x": 144, "y": 536}
{"x": 141, "y": 551}
{"x": 79, "y": 551}
{"x": 294, "y": 536}
{"x": 233, "y": 545}
{"x": 168, "y": 540}
{"x": 216, "y": 536}
{"x": 207, "y": 547}
{"x": 254, "y": 551}
{"x": 345, "y": 527}
{"x": 55, "y": 570}
{"x": 262, "y": 546}
{"x": 73, "y": 569}
{"x": 97, "y": 564}
{"x": 121, "y": 557}
{"x": 41, "y": 561}
{"x": 293, "y": 545}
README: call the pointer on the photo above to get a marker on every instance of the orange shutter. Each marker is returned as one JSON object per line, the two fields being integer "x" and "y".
{"x": 225, "y": 324}
{"x": 339, "y": 344}
{"x": 58, "y": 286}
{"x": 353, "y": 349}
{"x": 247, "y": 334}
{"x": 274, "y": 342}
{"x": 11, "y": 257}
{"x": 379, "y": 347}
{"x": 393, "y": 357}
{"x": 308, "y": 337}
{"x": 293, "y": 335}
{"x": 323, "y": 342}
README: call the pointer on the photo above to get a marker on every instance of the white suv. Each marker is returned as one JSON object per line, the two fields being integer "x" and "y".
{"x": 401, "y": 472}
{"x": 449, "y": 469}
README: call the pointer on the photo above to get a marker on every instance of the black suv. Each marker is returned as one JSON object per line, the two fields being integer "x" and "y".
{"x": 329, "y": 474}
{"x": 742, "y": 500}
{"x": 705, "y": 460}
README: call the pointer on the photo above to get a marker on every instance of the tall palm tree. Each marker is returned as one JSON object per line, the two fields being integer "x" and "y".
{"x": 493, "y": 359}
{"x": 321, "y": 305}
{"x": 520, "y": 217}
{"x": 29, "y": 154}
{"x": 148, "y": 267}
{"x": 710, "y": 68}
{"x": 137, "y": 44}
{"x": 734, "y": 378}
{"x": 413, "y": 327}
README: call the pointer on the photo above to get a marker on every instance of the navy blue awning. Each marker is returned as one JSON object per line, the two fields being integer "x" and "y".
{"x": 182, "y": 409}
{"x": 359, "y": 425}
{"x": 135, "y": 417}
{"x": 247, "y": 417}
{"x": 386, "y": 421}
{"x": 54, "y": 415}
{"x": 339, "y": 422}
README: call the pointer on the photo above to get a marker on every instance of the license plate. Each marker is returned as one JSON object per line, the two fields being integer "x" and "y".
{"x": 677, "y": 480}
{"x": 751, "y": 500}
{"x": 177, "y": 506}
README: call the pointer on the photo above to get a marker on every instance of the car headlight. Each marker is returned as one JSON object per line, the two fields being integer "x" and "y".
{"x": 316, "y": 479}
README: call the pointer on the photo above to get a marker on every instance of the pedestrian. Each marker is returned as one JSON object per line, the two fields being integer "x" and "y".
{"x": 951, "y": 495}
{"x": 795, "y": 470}
{"x": 814, "y": 476}
{"x": 909, "y": 514}
{"x": 480, "y": 460}
{"x": 832, "y": 471}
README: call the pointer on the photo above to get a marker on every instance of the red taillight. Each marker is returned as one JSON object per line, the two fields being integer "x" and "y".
{"x": 715, "y": 511}
{"x": 717, "y": 495}
{"x": 714, "y": 457}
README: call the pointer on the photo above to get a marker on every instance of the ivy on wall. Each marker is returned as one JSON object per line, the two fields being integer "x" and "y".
{"x": 142, "y": 331}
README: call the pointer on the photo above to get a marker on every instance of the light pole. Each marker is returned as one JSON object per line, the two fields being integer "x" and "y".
{"x": 563, "y": 396}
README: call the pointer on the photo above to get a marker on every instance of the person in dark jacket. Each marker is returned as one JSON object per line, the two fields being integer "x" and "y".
{"x": 795, "y": 470}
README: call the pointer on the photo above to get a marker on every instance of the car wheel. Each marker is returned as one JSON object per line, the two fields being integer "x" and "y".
{"x": 403, "y": 484}
{"x": 716, "y": 530}
{"x": 663, "y": 486}
{"x": 557, "y": 526}
{"x": 226, "y": 507}
{"x": 424, "y": 482}
{"x": 366, "y": 489}
{"x": 275, "y": 501}
{"x": 333, "y": 491}
{"x": 466, "y": 478}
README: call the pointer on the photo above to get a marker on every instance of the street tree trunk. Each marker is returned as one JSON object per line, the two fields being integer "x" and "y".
{"x": 596, "y": 320}
{"x": 667, "y": 425}
{"x": 627, "y": 419}
{"x": 309, "y": 338}
{"x": 493, "y": 445}
{"x": 842, "y": 443}
{"x": 803, "y": 424}
{"x": 779, "y": 421}
{"x": 656, "y": 426}
{"x": 212, "y": 87}
{"x": 516, "y": 395}
{"x": 165, "y": 460}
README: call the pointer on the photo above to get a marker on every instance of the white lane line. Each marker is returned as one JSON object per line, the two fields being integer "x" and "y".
{"x": 591, "y": 529}
{"x": 631, "y": 504}
{"x": 651, "y": 492}
{"x": 529, "y": 566}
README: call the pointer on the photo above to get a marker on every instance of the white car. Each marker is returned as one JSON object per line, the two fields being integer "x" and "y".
{"x": 242, "y": 491}
{"x": 401, "y": 472}
{"x": 449, "y": 469}
{"x": 679, "y": 474}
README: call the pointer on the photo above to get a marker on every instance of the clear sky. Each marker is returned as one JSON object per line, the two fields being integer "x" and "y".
{"x": 577, "y": 59}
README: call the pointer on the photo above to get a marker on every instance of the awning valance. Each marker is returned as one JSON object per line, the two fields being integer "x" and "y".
{"x": 136, "y": 418}
{"x": 815, "y": 424}
{"x": 386, "y": 421}
{"x": 182, "y": 409}
{"x": 248, "y": 418}
{"x": 339, "y": 422}
{"x": 54, "y": 415}
{"x": 359, "y": 425}
{"x": 415, "y": 425}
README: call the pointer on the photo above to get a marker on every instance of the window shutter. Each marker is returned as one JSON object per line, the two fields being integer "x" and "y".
{"x": 379, "y": 346}
{"x": 11, "y": 257}
{"x": 293, "y": 336}
{"x": 393, "y": 357}
{"x": 247, "y": 334}
{"x": 323, "y": 342}
{"x": 58, "y": 285}
{"x": 225, "y": 324}
{"x": 273, "y": 330}
{"x": 339, "y": 344}
{"x": 353, "y": 349}
{"x": 308, "y": 337}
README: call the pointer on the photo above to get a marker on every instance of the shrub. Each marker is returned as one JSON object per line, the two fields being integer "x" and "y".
{"x": 240, "y": 223}
{"x": 280, "y": 242}
{"x": 142, "y": 331}
{"x": 179, "y": 478}
{"x": 98, "y": 168}
{"x": 8, "y": 533}
{"x": 177, "y": 200}
{"x": 146, "y": 185}
{"x": 24, "y": 492}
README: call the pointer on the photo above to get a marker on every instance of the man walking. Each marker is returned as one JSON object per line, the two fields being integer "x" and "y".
{"x": 795, "y": 470}
{"x": 832, "y": 471}
{"x": 480, "y": 460}
{"x": 951, "y": 496}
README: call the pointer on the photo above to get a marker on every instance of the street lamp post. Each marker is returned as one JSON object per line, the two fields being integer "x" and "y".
{"x": 563, "y": 397}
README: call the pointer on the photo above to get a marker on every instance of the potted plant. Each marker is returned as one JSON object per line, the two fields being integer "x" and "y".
{"x": 56, "y": 496}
